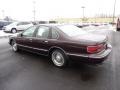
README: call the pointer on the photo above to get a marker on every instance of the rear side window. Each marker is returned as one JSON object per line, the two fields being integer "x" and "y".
{"x": 23, "y": 23}
{"x": 54, "y": 34}
{"x": 43, "y": 32}
{"x": 26, "y": 23}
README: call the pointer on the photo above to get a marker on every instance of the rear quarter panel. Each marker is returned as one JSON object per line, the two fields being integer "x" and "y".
{"x": 68, "y": 47}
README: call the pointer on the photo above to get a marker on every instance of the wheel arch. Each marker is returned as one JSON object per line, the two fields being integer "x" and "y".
{"x": 13, "y": 28}
{"x": 11, "y": 41}
{"x": 66, "y": 57}
{"x": 54, "y": 48}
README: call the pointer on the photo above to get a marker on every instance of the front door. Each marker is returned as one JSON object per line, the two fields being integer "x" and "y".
{"x": 26, "y": 39}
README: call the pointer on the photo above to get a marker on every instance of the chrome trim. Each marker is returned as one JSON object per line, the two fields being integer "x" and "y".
{"x": 102, "y": 55}
{"x": 33, "y": 48}
{"x": 57, "y": 48}
{"x": 78, "y": 55}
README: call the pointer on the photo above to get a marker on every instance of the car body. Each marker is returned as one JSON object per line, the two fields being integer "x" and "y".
{"x": 82, "y": 25}
{"x": 4, "y": 23}
{"x": 17, "y": 26}
{"x": 67, "y": 42}
{"x": 118, "y": 25}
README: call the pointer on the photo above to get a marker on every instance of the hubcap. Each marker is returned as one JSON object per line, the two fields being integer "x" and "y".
{"x": 14, "y": 47}
{"x": 57, "y": 58}
{"x": 13, "y": 31}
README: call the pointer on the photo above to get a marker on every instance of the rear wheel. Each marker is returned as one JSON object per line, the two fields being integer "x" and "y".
{"x": 13, "y": 30}
{"x": 59, "y": 58}
{"x": 14, "y": 46}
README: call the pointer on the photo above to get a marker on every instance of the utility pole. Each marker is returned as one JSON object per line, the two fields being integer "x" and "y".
{"x": 34, "y": 11}
{"x": 3, "y": 14}
{"x": 83, "y": 12}
{"x": 114, "y": 11}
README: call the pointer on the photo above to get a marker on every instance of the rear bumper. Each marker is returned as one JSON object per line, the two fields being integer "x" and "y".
{"x": 95, "y": 58}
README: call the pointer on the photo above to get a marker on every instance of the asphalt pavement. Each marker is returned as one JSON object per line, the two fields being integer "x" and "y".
{"x": 27, "y": 71}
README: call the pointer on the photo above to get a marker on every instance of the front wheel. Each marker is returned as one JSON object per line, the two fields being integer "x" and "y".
{"x": 59, "y": 58}
{"x": 14, "y": 46}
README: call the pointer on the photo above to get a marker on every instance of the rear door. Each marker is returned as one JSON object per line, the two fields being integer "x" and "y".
{"x": 41, "y": 42}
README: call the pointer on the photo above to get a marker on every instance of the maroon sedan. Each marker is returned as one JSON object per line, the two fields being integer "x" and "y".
{"x": 62, "y": 43}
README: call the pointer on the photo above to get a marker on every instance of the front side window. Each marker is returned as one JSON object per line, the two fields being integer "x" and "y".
{"x": 29, "y": 32}
{"x": 43, "y": 32}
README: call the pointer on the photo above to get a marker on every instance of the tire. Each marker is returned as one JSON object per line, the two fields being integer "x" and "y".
{"x": 59, "y": 58}
{"x": 13, "y": 30}
{"x": 14, "y": 46}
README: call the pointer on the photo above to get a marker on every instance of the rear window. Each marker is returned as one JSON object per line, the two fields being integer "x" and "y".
{"x": 71, "y": 30}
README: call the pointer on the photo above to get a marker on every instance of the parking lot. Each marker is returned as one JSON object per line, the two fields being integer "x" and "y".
{"x": 26, "y": 71}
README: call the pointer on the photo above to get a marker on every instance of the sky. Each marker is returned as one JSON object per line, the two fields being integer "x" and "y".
{"x": 51, "y": 9}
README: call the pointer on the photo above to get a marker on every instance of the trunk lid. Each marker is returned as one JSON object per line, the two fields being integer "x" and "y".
{"x": 91, "y": 39}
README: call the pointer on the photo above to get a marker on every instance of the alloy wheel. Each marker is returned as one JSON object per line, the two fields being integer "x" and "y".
{"x": 14, "y": 46}
{"x": 58, "y": 58}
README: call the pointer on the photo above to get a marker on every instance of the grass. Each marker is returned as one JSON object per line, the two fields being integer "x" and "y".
{"x": 86, "y": 20}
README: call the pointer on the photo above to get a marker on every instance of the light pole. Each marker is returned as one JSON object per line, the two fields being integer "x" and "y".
{"x": 3, "y": 14}
{"x": 83, "y": 10}
{"x": 114, "y": 11}
{"x": 34, "y": 11}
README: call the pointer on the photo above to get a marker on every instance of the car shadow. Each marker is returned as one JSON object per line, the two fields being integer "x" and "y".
{"x": 76, "y": 71}
{"x": 87, "y": 72}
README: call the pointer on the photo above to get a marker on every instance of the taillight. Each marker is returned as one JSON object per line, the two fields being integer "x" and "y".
{"x": 96, "y": 48}
{"x": 92, "y": 49}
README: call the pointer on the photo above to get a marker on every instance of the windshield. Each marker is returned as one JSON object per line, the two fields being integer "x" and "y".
{"x": 12, "y": 24}
{"x": 71, "y": 30}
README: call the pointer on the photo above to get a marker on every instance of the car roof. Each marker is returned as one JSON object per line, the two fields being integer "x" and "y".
{"x": 53, "y": 25}
{"x": 49, "y": 24}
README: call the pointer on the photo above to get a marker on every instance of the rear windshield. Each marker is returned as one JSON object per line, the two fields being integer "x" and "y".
{"x": 71, "y": 30}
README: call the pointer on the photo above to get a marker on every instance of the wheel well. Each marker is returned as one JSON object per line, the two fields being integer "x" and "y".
{"x": 13, "y": 28}
{"x": 58, "y": 48}
{"x": 55, "y": 48}
{"x": 11, "y": 41}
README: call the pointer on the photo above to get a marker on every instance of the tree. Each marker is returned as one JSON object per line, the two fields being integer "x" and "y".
{"x": 7, "y": 18}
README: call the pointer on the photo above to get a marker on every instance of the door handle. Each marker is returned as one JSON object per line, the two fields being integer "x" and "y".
{"x": 46, "y": 41}
{"x": 30, "y": 40}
